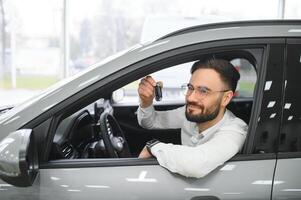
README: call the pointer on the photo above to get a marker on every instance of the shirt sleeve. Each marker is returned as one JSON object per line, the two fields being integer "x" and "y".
{"x": 151, "y": 119}
{"x": 200, "y": 160}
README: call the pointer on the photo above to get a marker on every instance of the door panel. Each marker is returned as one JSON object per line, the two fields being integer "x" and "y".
{"x": 287, "y": 184}
{"x": 234, "y": 180}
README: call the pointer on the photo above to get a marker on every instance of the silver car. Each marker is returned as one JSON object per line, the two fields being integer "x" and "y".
{"x": 80, "y": 138}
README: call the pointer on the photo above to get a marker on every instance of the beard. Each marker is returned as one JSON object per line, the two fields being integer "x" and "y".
{"x": 211, "y": 114}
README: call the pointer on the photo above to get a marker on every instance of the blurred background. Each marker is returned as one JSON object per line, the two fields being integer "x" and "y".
{"x": 43, "y": 41}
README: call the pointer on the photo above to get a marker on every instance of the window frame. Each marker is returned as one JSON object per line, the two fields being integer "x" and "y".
{"x": 89, "y": 94}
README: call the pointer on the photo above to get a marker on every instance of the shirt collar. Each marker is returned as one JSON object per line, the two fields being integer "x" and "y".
{"x": 215, "y": 126}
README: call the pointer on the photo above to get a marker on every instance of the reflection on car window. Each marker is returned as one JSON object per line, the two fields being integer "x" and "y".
{"x": 248, "y": 77}
{"x": 268, "y": 121}
{"x": 290, "y": 138}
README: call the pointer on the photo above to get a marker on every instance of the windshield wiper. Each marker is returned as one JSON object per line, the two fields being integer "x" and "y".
{"x": 4, "y": 109}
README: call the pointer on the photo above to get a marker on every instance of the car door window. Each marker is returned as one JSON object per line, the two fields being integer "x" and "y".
{"x": 289, "y": 143}
{"x": 290, "y": 138}
{"x": 268, "y": 125}
{"x": 78, "y": 134}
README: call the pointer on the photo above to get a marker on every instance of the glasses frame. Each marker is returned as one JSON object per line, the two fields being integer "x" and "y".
{"x": 202, "y": 91}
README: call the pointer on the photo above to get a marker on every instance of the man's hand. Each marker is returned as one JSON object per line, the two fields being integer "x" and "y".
{"x": 145, "y": 154}
{"x": 146, "y": 91}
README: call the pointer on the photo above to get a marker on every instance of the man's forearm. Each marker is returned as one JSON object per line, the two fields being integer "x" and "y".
{"x": 145, "y": 117}
{"x": 197, "y": 161}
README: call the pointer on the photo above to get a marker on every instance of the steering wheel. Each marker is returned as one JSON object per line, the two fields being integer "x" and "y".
{"x": 113, "y": 137}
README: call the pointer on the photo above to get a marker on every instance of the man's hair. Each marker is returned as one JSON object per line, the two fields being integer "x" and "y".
{"x": 224, "y": 68}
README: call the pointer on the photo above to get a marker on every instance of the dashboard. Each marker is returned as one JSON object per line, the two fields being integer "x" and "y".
{"x": 78, "y": 136}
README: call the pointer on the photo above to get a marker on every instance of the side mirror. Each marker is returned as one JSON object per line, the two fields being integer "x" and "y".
{"x": 118, "y": 95}
{"x": 18, "y": 158}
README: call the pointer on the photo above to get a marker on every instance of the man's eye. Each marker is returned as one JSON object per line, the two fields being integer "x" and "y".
{"x": 203, "y": 91}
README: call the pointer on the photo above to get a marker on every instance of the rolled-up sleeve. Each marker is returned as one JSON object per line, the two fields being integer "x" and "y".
{"x": 200, "y": 160}
{"x": 151, "y": 119}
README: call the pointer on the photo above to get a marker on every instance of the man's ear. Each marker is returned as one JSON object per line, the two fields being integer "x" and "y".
{"x": 227, "y": 98}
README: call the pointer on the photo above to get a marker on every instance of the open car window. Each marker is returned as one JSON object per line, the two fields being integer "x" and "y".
{"x": 81, "y": 134}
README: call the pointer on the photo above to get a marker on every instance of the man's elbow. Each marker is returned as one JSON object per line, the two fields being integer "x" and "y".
{"x": 196, "y": 174}
{"x": 145, "y": 124}
{"x": 141, "y": 122}
{"x": 200, "y": 170}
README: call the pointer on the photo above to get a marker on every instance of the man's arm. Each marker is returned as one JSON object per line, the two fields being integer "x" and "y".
{"x": 151, "y": 119}
{"x": 146, "y": 91}
{"x": 200, "y": 160}
{"x": 146, "y": 114}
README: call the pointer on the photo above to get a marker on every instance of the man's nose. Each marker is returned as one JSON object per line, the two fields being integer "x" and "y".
{"x": 192, "y": 97}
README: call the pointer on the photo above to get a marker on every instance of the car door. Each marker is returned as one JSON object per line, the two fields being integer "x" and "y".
{"x": 287, "y": 176}
{"x": 248, "y": 175}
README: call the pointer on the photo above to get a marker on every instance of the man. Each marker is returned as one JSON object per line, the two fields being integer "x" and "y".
{"x": 210, "y": 133}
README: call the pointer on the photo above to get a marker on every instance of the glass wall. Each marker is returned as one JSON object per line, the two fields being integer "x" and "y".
{"x": 42, "y": 42}
{"x": 30, "y": 47}
{"x": 292, "y": 9}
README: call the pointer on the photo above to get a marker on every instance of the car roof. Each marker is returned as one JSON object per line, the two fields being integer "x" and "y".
{"x": 236, "y": 25}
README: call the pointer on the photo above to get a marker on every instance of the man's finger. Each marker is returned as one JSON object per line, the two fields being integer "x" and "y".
{"x": 146, "y": 83}
{"x": 150, "y": 80}
{"x": 145, "y": 92}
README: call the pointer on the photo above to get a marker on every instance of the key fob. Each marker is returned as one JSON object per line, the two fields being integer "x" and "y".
{"x": 158, "y": 92}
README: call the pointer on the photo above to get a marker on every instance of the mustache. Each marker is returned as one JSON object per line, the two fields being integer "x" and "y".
{"x": 195, "y": 104}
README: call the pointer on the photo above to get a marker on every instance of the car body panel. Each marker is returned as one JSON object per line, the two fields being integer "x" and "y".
{"x": 234, "y": 180}
{"x": 287, "y": 177}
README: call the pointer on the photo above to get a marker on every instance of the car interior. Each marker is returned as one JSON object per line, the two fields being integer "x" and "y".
{"x": 109, "y": 129}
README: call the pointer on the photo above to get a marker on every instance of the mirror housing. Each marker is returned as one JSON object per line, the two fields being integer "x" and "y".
{"x": 19, "y": 158}
{"x": 118, "y": 95}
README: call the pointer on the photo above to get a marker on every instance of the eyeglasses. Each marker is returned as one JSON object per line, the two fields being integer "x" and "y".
{"x": 202, "y": 91}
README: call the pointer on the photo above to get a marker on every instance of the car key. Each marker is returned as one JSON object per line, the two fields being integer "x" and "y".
{"x": 158, "y": 92}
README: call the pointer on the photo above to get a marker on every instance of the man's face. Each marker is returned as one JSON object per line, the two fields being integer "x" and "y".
{"x": 202, "y": 106}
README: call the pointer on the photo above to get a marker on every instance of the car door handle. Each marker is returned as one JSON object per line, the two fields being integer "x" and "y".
{"x": 205, "y": 198}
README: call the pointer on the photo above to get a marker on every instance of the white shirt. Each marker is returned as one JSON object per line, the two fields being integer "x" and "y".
{"x": 200, "y": 153}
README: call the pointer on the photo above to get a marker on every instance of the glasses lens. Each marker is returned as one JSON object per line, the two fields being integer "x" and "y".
{"x": 203, "y": 91}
